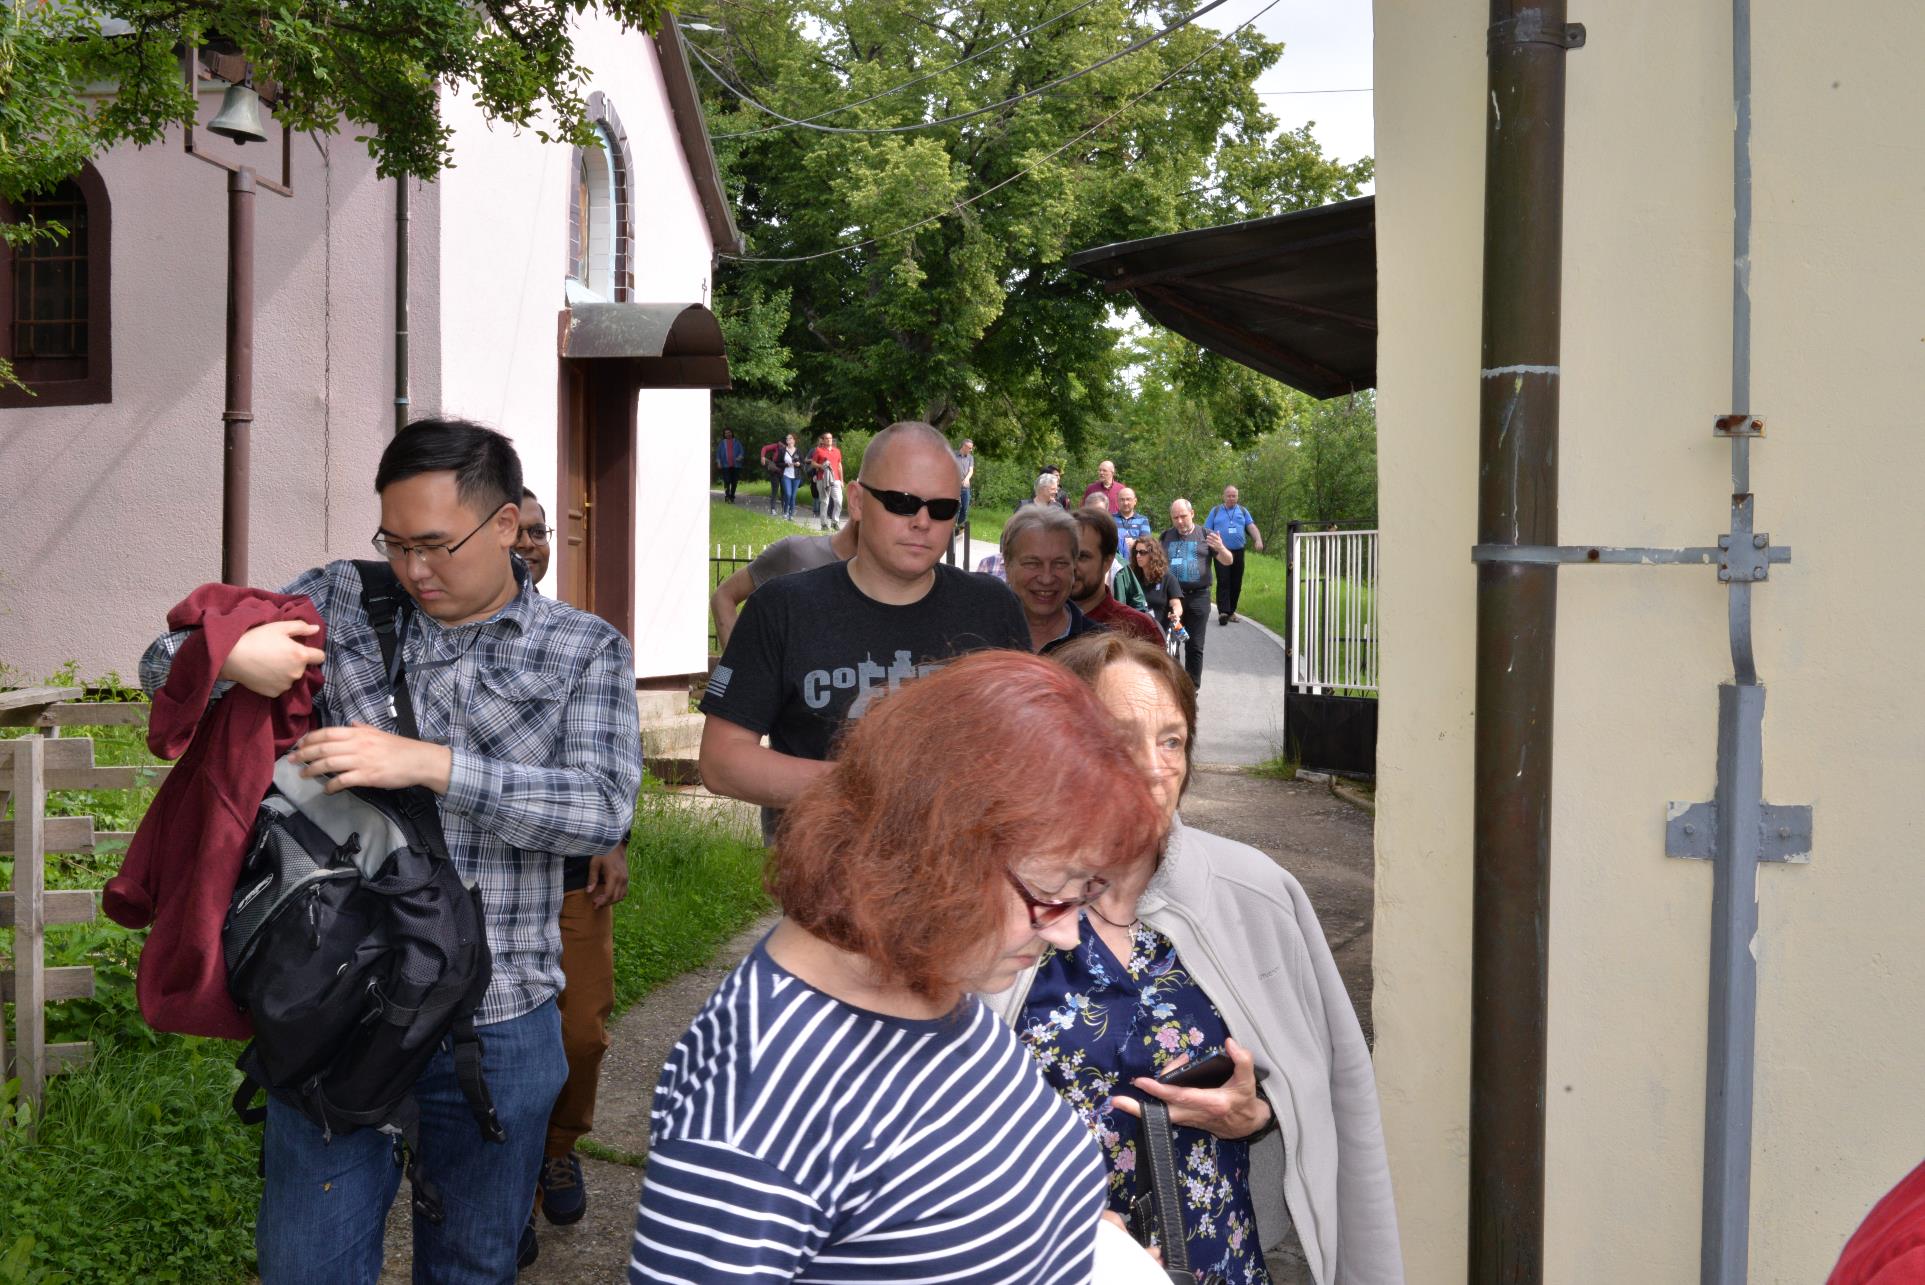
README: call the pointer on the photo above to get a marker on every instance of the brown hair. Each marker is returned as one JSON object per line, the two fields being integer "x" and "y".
{"x": 900, "y": 858}
{"x": 1099, "y": 521}
{"x": 1159, "y": 560}
{"x": 1088, "y": 656}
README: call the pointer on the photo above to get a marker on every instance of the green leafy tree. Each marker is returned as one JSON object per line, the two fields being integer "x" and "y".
{"x": 971, "y": 318}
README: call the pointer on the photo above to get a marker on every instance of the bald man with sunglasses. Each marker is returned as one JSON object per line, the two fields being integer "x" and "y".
{"x": 816, "y": 647}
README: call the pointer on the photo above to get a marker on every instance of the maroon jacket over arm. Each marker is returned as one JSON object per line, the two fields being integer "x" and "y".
{"x": 182, "y": 865}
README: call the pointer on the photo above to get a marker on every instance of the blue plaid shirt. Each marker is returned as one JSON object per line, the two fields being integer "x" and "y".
{"x": 538, "y": 705}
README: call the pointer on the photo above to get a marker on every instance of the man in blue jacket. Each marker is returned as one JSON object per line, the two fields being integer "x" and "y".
{"x": 1231, "y": 521}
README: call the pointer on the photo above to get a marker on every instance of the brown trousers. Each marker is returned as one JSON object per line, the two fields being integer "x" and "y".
{"x": 588, "y": 961}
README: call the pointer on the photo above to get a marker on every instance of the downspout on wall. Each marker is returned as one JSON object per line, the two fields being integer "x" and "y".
{"x": 401, "y": 398}
{"x": 1516, "y": 635}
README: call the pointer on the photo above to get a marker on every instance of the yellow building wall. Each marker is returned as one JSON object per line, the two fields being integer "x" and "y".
{"x": 1839, "y": 374}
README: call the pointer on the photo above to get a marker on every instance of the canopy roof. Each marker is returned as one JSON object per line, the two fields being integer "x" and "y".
{"x": 1293, "y": 295}
{"x": 668, "y": 345}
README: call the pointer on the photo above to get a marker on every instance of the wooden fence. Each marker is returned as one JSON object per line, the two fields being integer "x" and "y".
{"x": 30, "y": 766}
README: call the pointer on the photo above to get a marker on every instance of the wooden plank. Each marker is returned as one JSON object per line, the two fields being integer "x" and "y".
{"x": 52, "y": 834}
{"x": 69, "y": 754}
{"x": 94, "y": 714}
{"x": 23, "y": 706}
{"x": 139, "y": 777}
{"x": 74, "y": 981}
{"x": 67, "y": 1057}
{"x": 29, "y": 922}
{"x": 63, "y": 906}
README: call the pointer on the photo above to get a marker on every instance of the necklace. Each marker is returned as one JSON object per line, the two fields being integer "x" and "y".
{"x": 1134, "y": 920}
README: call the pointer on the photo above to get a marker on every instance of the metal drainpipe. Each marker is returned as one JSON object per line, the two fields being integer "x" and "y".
{"x": 237, "y": 419}
{"x": 1516, "y": 635}
{"x": 401, "y": 407}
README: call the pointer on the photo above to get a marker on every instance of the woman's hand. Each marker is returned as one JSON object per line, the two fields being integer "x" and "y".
{"x": 1235, "y": 1110}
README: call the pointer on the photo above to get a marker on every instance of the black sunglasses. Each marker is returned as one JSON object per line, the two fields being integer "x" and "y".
{"x": 904, "y": 505}
{"x": 1042, "y": 913}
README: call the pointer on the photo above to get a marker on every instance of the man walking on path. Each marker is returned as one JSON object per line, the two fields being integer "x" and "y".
{"x": 531, "y": 742}
{"x": 1090, "y": 590}
{"x": 785, "y": 557}
{"x": 1194, "y": 555}
{"x": 728, "y": 459}
{"x": 1106, "y": 486}
{"x": 772, "y": 469}
{"x": 1046, "y": 490}
{"x": 825, "y": 477}
{"x": 590, "y": 889}
{"x": 1130, "y": 525}
{"x": 1233, "y": 524}
{"x": 966, "y": 461}
{"x": 821, "y": 644}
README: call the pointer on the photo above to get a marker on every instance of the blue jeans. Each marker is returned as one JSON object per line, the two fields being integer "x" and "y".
{"x": 962, "y": 514}
{"x": 325, "y": 1205}
{"x": 788, "y": 496}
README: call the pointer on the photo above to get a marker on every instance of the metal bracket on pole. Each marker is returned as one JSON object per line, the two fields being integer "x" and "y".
{"x": 1784, "y": 832}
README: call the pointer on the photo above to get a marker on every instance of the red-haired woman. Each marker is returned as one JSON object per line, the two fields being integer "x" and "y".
{"x": 1199, "y": 945}
{"x": 843, "y": 1106}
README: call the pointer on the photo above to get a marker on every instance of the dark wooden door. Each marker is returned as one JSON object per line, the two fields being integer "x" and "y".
{"x": 576, "y": 503}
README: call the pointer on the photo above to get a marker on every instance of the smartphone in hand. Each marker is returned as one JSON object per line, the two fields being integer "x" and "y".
{"x": 1211, "y": 1072}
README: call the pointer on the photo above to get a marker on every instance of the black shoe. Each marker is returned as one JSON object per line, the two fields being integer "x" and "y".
{"x": 1224, "y": 620}
{"x": 530, "y": 1248}
{"x": 563, "y": 1198}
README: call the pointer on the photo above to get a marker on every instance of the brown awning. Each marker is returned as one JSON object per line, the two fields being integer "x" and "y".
{"x": 1293, "y": 295}
{"x": 667, "y": 345}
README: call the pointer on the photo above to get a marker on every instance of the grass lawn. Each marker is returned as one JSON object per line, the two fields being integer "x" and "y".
{"x": 1262, "y": 598}
{"x": 140, "y": 1170}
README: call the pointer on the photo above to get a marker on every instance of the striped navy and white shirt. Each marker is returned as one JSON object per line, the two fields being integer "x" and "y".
{"x": 538, "y": 704}
{"x": 796, "y": 1137}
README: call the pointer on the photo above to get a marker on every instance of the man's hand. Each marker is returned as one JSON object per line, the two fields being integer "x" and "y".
{"x": 268, "y": 659}
{"x": 608, "y": 878}
{"x": 363, "y": 755}
{"x": 1233, "y": 1111}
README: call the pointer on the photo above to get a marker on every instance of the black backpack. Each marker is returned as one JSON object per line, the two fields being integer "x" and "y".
{"x": 354, "y": 945}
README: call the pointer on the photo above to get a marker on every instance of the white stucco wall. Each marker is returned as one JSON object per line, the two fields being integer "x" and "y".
{"x": 503, "y": 247}
{"x": 115, "y": 510}
{"x": 1838, "y": 360}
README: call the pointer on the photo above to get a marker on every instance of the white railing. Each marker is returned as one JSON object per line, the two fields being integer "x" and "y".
{"x": 1333, "y": 612}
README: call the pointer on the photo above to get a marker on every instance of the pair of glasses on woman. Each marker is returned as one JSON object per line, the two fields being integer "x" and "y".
{"x": 904, "y": 505}
{"x": 1043, "y": 913}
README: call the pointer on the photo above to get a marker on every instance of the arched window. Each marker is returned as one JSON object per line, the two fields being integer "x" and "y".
{"x": 600, "y": 235}
{"x": 56, "y": 326}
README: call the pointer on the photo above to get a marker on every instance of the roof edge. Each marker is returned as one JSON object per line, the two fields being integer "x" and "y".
{"x": 692, "y": 127}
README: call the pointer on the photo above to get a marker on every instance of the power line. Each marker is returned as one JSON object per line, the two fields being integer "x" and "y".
{"x": 1276, "y": 93}
{"x": 911, "y": 84}
{"x": 959, "y": 206}
{"x": 722, "y": 80}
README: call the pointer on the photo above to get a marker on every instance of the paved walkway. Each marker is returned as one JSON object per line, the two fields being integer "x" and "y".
{"x": 1240, "y": 708}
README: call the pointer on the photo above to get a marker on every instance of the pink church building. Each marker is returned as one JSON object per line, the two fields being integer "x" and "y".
{"x": 557, "y": 293}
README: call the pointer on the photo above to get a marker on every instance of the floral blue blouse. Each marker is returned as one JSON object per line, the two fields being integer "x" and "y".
{"x": 1094, "y": 1024}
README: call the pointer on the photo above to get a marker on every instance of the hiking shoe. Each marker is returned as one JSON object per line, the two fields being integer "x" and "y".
{"x": 530, "y": 1247}
{"x": 563, "y": 1198}
{"x": 1224, "y": 620}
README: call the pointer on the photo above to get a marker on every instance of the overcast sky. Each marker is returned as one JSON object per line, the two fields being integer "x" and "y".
{"x": 1326, "y": 46}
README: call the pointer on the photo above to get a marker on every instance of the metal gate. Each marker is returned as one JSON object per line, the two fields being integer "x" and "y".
{"x": 1333, "y": 612}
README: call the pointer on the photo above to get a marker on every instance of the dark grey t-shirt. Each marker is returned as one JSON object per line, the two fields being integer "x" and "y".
{"x": 816, "y": 650}
{"x": 790, "y": 554}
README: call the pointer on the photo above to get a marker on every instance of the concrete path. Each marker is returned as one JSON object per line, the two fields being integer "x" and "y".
{"x": 1240, "y": 708}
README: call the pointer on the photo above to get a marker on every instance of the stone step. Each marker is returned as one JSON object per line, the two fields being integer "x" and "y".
{"x": 679, "y": 736}
{"x": 656, "y": 705}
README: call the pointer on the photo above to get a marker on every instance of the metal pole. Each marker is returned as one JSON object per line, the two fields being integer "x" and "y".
{"x": 401, "y": 401}
{"x": 238, "y": 418}
{"x": 1516, "y": 635}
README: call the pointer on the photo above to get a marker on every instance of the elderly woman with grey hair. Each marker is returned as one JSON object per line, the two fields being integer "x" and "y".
{"x": 1039, "y": 561}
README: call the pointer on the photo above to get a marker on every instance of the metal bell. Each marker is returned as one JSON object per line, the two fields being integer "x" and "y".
{"x": 240, "y": 117}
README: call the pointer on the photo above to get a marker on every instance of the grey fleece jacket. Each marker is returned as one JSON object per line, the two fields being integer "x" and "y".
{"x": 1245, "y": 930}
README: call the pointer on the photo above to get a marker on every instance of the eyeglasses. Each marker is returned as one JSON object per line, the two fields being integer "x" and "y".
{"x": 1043, "y": 913}
{"x": 395, "y": 551}
{"x": 537, "y": 534}
{"x": 1142, "y": 553}
{"x": 904, "y": 505}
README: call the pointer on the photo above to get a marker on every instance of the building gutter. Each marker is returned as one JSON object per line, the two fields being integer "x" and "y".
{"x": 691, "y": 126}
{"x": 1516, "y": 634}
